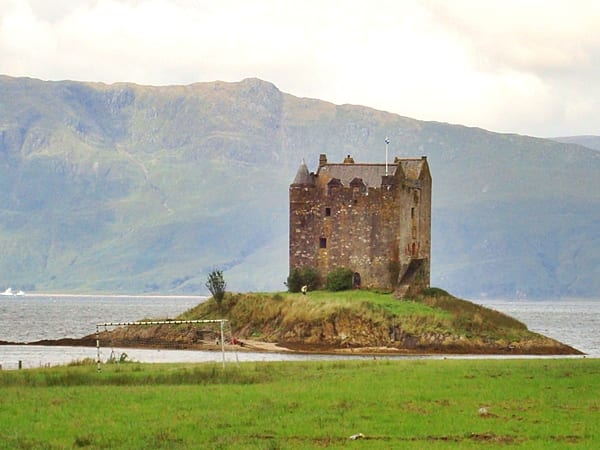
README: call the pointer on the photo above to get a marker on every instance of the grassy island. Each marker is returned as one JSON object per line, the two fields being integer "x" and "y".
{"x": 371, "y": 322}
{"x": 355, "y": 321}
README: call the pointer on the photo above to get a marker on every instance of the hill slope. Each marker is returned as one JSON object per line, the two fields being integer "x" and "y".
{"x": 128, "y": 188}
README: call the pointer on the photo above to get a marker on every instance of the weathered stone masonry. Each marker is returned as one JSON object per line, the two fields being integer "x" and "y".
{"x": 359, "y": 216}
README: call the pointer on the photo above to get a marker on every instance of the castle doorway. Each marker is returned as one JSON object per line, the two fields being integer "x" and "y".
{"x": 356, "y": 280}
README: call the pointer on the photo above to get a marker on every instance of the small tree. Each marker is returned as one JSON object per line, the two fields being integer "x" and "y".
{"x": 216, "y": 285}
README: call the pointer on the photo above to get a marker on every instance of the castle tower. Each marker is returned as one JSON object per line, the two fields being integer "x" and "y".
{"x": 356, "y": 216}
{"x": 302, "y": 223}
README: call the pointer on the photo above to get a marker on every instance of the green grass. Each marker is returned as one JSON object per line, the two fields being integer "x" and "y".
{"x": 412, "y": 404}
{"x": 316, "y": 305}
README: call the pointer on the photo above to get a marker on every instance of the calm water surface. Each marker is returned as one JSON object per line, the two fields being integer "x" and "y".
{"x": 572, "y": 322}
{"x": 32, "y": 318}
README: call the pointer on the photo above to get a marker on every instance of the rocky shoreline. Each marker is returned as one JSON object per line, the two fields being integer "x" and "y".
{"x": 545, "y": 347}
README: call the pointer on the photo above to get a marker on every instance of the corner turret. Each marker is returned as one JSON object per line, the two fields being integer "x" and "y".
{"x": 303, "y": 176}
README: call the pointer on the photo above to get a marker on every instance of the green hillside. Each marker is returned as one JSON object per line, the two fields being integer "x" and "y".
{"x": 127, "y": 188}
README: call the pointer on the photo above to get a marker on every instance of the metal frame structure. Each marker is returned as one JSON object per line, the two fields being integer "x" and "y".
{"x": 159, "y": 322}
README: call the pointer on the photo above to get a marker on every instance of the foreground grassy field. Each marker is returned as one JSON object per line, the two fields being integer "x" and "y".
{"x": 412, "y": 404}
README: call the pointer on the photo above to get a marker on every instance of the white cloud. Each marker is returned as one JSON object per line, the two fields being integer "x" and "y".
{"x": 533, "y": 35}
{"x": 24, "y": 40}
{"x": 544, "y": 58}
{"x": 527, "y": 67}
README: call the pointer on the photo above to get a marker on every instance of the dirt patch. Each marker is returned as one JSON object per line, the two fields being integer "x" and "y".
{"x": 492, "y": 437}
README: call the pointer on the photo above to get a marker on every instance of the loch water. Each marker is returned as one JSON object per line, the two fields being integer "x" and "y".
{"x": 27, "y": 319}
{"x": 573, "y": 322}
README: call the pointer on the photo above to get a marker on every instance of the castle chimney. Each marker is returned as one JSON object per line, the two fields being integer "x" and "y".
{"x": 322, "y": 159}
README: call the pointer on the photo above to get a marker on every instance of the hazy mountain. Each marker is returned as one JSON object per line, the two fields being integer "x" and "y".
{"x": 586, "y": 141}
{"x": 128, "y": 188}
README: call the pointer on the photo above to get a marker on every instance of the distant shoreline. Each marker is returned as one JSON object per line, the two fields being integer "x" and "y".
{"x": 41, "y": 294}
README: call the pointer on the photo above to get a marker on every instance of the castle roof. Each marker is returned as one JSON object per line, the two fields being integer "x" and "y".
{"x": 412, "y": 167}
{"x": 371, "y": 174}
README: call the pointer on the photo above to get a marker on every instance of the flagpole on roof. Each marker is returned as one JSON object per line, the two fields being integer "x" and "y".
{"x": 387, "y": 143}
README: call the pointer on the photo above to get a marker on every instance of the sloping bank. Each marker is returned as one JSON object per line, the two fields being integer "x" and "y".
{"x": 362, "y": 321}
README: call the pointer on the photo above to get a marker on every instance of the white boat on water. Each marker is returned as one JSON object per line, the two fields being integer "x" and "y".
{"x": 10, "y": 292}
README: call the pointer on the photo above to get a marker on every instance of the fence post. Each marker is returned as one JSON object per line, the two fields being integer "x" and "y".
{"x": 98, "y": 348}
{"x": 223, "y": 344}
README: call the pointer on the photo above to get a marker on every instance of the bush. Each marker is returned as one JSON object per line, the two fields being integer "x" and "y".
{"x": 306, "y": 276}
{"x": 294, "y": 281}
{"x": 340, "y": 279}
{"x": 310, "y": 278}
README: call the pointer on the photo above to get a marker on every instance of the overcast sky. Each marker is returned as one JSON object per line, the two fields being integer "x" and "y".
{"x": 524, "y": 66}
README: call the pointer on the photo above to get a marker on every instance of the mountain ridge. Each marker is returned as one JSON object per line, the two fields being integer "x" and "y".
{"x": 588, "y": 141}
{"x": 131, "y": 188}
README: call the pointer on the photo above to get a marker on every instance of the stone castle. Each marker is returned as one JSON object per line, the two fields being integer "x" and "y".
{"x": 374, "y": 219}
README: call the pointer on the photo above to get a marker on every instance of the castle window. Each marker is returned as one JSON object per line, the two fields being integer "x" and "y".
{"x": 323, "y": 243}
{"x": 327, "y": 212}
{"x": 412, "y": 212}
